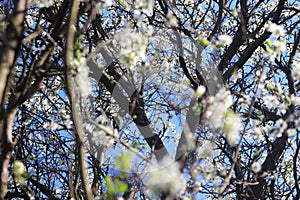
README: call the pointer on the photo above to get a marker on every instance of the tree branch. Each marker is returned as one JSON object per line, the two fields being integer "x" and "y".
{"x": 76, "y": 114}
{"x": 8, "y": 54}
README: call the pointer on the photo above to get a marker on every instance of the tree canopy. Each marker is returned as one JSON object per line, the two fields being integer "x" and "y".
{"x": 151, "y": 99}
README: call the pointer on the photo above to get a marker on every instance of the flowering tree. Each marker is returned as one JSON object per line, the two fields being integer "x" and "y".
{"x": 149, "y": 99}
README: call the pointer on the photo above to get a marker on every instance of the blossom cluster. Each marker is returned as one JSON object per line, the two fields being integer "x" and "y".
{"x": 220, "y": 117}
{"x": 157, "y": 181}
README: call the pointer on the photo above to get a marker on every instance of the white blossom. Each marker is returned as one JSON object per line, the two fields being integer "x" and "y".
{"x": 132, "y": 47}
{"x": 256, "y": 167}
{"x": 82, "y": 77}
{"x": 148, "y": 9}
{"x": 232, "y": 128}
{"x": 58, "y": 191}
{"x": 18, "y": 168}
{"x": 172, "y": 19}
{"x": 295, "y": 99}
{"x": 200, "y": 91}
{"x": 291, "y": 132}
{"x": 206, "y": 150}
{"x": 225, "y": 39}
{"x": 297, "y": 70}
{"x": 165, "y": 176}
{"x": 46, "y": 105}
{"x": 272, "y": 100}
{"x": 43, "y": 3}
{"x": 257, "y": 130}
{"x": 279, "y": 46}
{"x": 104, "y": 137}
{"x": 195, "y": 170}
{"x": 282, "y": 127}
{"x": 29, "y": 20}
{"x": 276, "y": 30}
{"x": 108, "y": 2}
{"x": 218, "y": 108}
{"x": 51, "y": 126}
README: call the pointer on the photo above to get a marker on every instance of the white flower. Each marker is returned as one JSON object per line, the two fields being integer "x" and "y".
{"x": 256, "y": 167}
{"x": 295, "y": 99}
{"x": 225, "y": 39}
{"x": 291, "y": 132}
{"x": 58, "y": 191}
{"x": 165, "y": 176}
{"x": 46, "y": 105}
{"x": 132, "y": 47}
{"x": 232, "y": 128}
{"x": 54, "y": 125}
{"x": 148, "y": 10}
{"x": 297, "y": 70}
{"x": 108, "y": 2}
{"x": 43, "y": 3}
{"x": 276, "y": 30}
{"x": 200, "y": 91}
{"x": 137, "y": 13}
{"x": 257, "y": 130}
{"x": 279, "y": 46}
{"x": 218, "y": 108}
{"x": 206, "y": 150}
{"x": 104, "y": 137}
{"x": 195, "y": 170}
{"x": 18, "y": 168}
{"x": 272, "y": 100}
{"x": 172, "y": 19}
{"x": 51, "y": 126}
{"x": 270, "y": 55}
{"x": 282, "y": 127}
{"x": 82, "y": 78}
{"x": 226, "y": 24}
{"x": 29, "y": 20}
